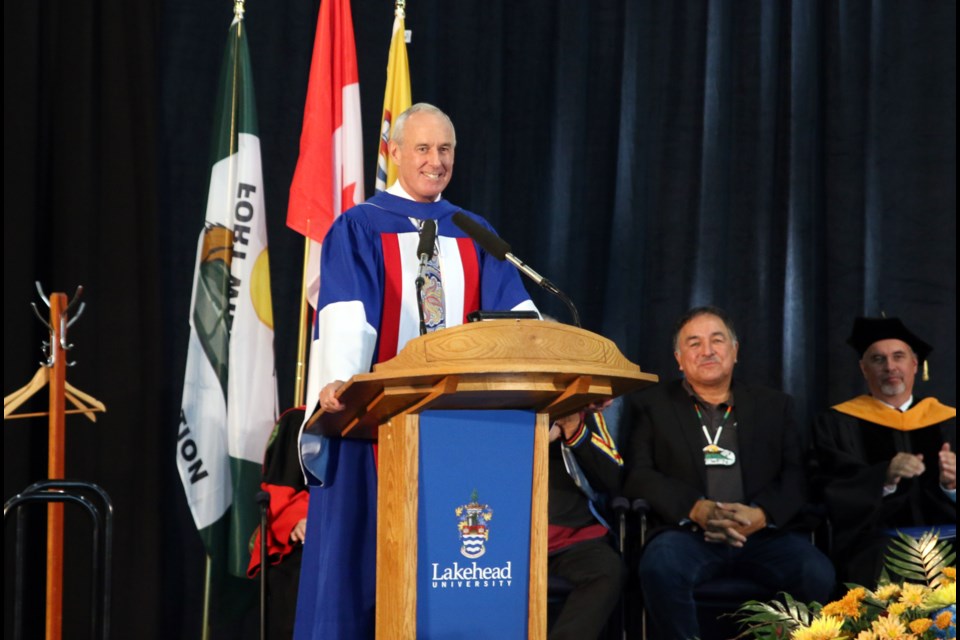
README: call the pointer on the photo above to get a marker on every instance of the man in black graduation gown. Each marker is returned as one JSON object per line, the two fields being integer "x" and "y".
{"x": 887, "y": 460}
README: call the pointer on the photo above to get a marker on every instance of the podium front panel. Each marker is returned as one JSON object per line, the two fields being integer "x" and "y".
{"x": 473, "y": 520}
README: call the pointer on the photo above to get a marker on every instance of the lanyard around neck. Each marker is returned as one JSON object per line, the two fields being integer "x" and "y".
{"x": 703, "y": 425}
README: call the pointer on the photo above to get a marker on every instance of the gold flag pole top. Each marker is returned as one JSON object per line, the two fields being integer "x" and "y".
{"x": 238, "y": 9}
{"x": 399, "y": 9}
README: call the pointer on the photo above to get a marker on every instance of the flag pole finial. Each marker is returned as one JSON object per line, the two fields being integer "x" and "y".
{"x": 238, "y": 9}
{"x": 400, "y": 9}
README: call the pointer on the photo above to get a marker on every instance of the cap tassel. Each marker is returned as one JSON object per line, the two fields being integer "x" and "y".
{"x": 926, "y": 371}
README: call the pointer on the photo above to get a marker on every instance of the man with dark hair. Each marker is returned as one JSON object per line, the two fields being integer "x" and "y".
{"x": 888, "y": 459}
{"x": 720, "y": 464}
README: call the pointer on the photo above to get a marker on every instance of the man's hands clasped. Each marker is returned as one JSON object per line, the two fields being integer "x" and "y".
{"x": 727, "y": 522}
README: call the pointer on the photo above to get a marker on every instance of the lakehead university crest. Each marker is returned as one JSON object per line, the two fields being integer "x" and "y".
{"x": 473, "y": 525}
{"x": 473, "y": 519}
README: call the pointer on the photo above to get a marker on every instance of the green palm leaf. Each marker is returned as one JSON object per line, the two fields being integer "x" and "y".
{"x": 774, "y": 620}
{"x": 920, "y": 560}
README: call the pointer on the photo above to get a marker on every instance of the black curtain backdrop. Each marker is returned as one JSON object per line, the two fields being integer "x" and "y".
{"x": 792, "y": 162}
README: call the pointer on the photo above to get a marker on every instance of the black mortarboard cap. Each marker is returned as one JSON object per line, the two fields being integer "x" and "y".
{"x": 866, "y": 331}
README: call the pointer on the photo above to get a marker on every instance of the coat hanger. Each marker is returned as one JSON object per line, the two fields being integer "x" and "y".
{"x": 84, "y": 403}
{"x": 21, "y": 395}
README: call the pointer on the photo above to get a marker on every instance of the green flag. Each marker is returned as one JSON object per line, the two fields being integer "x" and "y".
{"x": 229, "y": 391}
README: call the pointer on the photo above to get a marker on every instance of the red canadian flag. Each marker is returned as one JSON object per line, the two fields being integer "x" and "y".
{"x": 329, "y": 174}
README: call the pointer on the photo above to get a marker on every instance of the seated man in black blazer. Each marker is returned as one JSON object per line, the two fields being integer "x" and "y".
{"x": 720, "y": 464}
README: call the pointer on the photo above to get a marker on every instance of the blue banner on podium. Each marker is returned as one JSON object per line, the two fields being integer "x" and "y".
{"x": 473, "y": 553}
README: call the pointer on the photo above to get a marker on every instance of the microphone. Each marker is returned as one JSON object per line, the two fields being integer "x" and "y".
{"x": 499, "y": 249}
{"x": 428, "y": 238}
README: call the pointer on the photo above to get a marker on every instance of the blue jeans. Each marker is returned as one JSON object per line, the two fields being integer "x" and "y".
{"x": 676, "y": 561}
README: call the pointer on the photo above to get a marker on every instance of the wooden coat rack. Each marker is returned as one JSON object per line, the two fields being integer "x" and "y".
{"x": 52, "y": 373}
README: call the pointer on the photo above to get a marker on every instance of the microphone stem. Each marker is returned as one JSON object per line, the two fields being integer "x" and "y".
{"x": 423, "y": 323}
{"x": 549, "y": 286}
{"x": 546, "y": 284}
{"x": 522, "y": 266}
{"x": 421, "y": 279}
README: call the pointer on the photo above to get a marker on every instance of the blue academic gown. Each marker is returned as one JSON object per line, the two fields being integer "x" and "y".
{"x": 367, "y": 312}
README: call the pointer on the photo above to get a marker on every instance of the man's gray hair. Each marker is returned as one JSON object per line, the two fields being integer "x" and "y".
{"x": 396, "y": 133}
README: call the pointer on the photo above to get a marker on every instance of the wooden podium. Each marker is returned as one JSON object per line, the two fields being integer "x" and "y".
{"x": 548, "y": 369}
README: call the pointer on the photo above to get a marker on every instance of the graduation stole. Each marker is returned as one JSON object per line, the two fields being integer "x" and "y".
{"x": 925, "y": 413}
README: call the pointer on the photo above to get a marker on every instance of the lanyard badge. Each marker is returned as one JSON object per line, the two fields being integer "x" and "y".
{"x": 713, "y": 454}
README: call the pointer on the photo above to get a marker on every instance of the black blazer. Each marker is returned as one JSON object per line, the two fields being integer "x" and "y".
{"x": 666, "y": 465}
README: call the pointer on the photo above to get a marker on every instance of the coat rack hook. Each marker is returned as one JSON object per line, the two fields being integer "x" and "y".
{"x": 73, "y": 301}
{"x": 47, "y": 355}
{"x": 83, "y": 305}
{"x": 40, "y": 317}
{"x": 43, "y": 296}
{"x": 66, "y": 346}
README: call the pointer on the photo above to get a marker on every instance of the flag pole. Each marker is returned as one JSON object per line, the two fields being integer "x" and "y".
{"x": 205, "y": 634}
{"x": 323, "y": 174}
{"x": 300, "y": 377}
{"x": 208, "y": 568}
{"x": 208, "y": 571}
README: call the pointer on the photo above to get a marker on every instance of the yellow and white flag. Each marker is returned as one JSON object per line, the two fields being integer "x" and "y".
{"x": 396, "y": 100}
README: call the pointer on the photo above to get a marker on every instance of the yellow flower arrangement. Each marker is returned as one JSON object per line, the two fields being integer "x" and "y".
{"x": 945, "y": 620}
{"x": 822, "y": 628}
{"x": 889, "y": 628}
{"x": 887, "y": 592}
{"x": 942, "y": 596}
{"x": 848, "y": 606}
{"x": 913, "y": 594}
{"x": 920, "y": 607}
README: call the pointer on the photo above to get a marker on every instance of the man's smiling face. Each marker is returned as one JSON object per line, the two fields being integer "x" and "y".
{"x": 424, "y": 156}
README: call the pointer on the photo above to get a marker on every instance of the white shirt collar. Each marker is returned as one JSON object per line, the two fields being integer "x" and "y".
{"x": 901, "y": 408}
{"x": 396, "y": 190}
